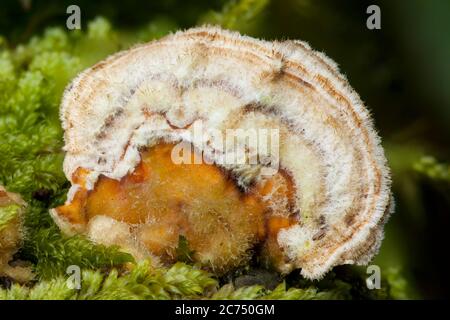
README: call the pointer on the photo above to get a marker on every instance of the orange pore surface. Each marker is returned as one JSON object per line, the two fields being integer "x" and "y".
{"x": 162, "y": 200}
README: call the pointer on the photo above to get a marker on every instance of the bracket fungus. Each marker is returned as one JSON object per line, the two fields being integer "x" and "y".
{"x": 323, "y": 204}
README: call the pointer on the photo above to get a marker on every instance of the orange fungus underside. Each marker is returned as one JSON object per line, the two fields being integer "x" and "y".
{"x": 162, "y": 200}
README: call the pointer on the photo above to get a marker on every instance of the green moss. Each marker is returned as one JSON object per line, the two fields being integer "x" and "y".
{"x": 33, "y": 76}
{"x": 143, "y": 282}
{"x": 7, "y": 214}
{"x": 429, "y": 167}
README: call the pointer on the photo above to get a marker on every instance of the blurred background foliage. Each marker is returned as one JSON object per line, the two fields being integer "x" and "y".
{"x": 402, "y": 72}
